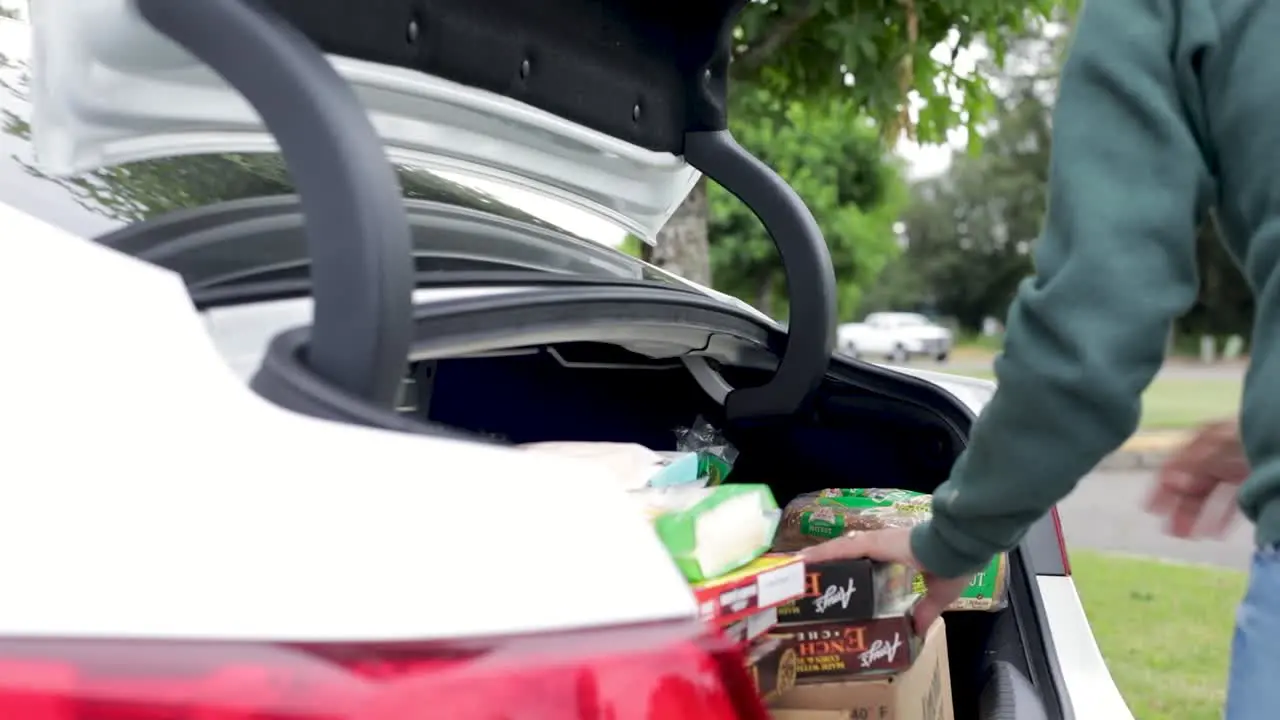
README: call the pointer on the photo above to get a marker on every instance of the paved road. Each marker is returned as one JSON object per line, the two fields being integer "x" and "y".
{"x": 1105, "y": 513}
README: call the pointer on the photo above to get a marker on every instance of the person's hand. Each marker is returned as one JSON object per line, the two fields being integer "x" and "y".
{"x": 894, "y": 545}
{"x": 1196, "y": 488}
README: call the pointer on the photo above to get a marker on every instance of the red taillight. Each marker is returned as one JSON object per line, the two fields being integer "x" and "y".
{"x": 669, "y": 671}
{"x": 1062, "y": 541}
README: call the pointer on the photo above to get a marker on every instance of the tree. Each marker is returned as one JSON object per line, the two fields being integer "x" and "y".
{"x": 833, "y": 157}
{"x": 870, "y": 51}
{"x": 1225, "y": 304}
{"x": 970, "y": 230}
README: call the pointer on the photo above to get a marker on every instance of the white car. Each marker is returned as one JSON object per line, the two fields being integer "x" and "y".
{"x": 895, "y": 336}
{"x": 259, "y": 411}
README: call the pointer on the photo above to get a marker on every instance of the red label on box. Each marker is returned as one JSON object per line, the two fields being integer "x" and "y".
{"x": 766, "y": 583}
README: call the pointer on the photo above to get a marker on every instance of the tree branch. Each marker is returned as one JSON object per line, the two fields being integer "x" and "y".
{"x": 781, "y": 30}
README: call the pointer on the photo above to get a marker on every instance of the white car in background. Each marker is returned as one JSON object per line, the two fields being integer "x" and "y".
{"x": 263, "y": 391}
{"x": 895, "y": 336}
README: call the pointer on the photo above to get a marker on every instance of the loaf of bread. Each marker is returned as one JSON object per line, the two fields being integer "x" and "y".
{"x": 815, "y": 517}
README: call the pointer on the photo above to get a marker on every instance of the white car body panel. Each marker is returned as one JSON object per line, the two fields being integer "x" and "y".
{"x": 293, "y": 528}
{"x": 1090, "y": 689}
{"x": 975, "y": 393}
{"x": 108, "y": 89}
{"x": 242, "y": 332}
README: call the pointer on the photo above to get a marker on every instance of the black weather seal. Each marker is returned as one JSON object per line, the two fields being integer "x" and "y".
{"x": 811, "y": 282}
{"x": 1009, "y": 694}
{"x": 357, "y": 228}
{"x": 296, "y": 387}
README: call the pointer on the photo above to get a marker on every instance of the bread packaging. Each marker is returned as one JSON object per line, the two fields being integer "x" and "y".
{"x": 710, "y": 531}
{"x": 817, "y": 517}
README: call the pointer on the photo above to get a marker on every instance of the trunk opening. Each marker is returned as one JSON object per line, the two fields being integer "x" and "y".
{"x": 852, "y": 438}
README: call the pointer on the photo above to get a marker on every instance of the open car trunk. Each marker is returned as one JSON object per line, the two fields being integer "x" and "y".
{"x": 631, "y": 99}
{"x": 853, "y": 437}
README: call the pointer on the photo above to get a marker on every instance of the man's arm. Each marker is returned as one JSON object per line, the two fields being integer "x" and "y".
{"x": 1115, "y": 266}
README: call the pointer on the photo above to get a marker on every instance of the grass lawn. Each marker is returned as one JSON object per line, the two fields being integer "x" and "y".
{"x": 1165, "y": 631}
{"x": 1178, "y": 403}
{"x": 1171, "y": 403}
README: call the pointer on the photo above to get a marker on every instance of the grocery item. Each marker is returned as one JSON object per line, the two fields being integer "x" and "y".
{"x": 715, "y": 454}
{"x": 987, "y": 592}
{"x": 819, "y": 516}
{"x": 842, "y": 650}
{"x": 711, "y": 531}
{"x": 631, "y": 465}
{"x": 772, "y": 666}
{"x": 815, "y": 517}
{"x": 679, "y": 468}
{"x": 922, "y": 692}
{"x": 764, "y": 583}
{"x": 850, "y": 589}
{"x": 752, "y": 626}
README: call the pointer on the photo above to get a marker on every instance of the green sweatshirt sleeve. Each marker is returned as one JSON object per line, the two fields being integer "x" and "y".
{"x": 1115, "y": 266}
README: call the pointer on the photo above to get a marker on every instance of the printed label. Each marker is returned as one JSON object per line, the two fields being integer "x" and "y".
{"x": 834, "y": 596}
{"x": 761, "y": 621}
{"x": 981, "y": 588}
{"x": 773, "y": 672}
{"x": 822, "y": 650}
{"x": 707, "y": 610}
{"x": 738, "y": 599}
{"x": 823, "y": 522}
{"x": 881, "y": 651}
{"x": 753, "y": 626}
{"x": 777, "y": 586}
{"x": 837, "y": 649}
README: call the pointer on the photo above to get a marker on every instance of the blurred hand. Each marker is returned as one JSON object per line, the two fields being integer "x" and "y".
{"x": 894, "y": 545}
{"x": 1196, "y": 489}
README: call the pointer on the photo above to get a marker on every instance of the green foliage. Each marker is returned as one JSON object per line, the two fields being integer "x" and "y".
{"x": 873, "y": 54}
{"x": 873, "y": 51}
{"x": 1225, "y": 303}
{"x": 970, "y": 231}
{"x": 632, "y": 246}
{"x": 832, "y": 156}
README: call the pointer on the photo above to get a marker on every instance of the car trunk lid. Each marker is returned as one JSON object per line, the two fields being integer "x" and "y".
{"x": 592, "y": 114}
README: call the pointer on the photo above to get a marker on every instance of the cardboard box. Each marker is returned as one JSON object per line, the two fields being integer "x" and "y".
{"x": 772, "y": 666}
{"x": 752, "y": 626}
{"x": 921, "y": 693}
{"x": 829, "y": 652}
{"x": 767, "y": 582}
{"x": 850, "y": 589}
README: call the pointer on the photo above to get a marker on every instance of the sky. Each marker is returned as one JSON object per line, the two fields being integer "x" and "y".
{"x": 922, "y": 161}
